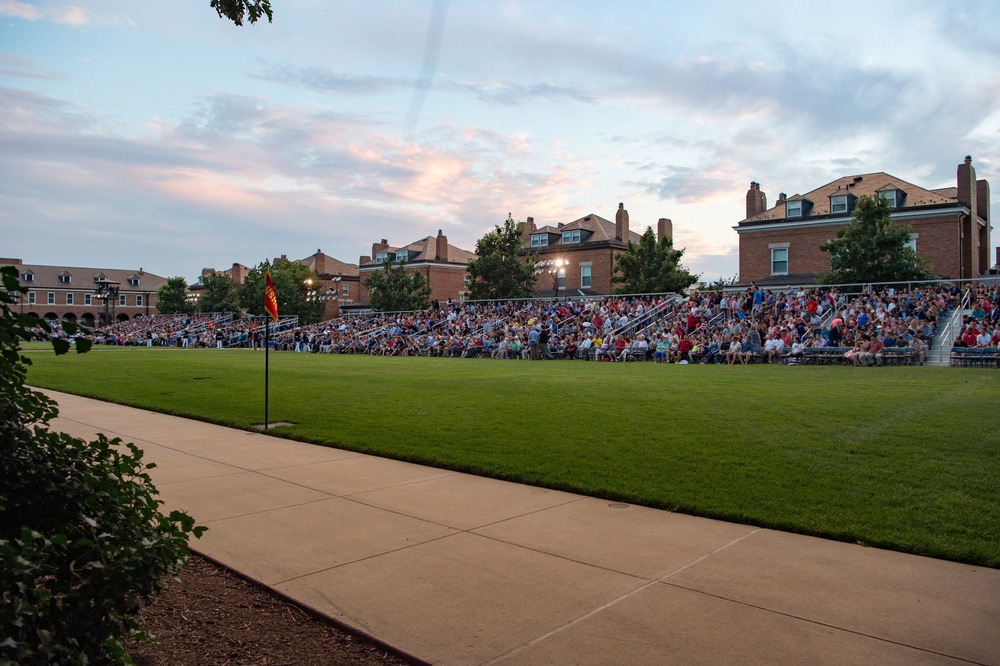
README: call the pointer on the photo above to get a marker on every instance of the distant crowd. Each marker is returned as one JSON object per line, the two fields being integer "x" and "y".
{"x": 755, "y": 325}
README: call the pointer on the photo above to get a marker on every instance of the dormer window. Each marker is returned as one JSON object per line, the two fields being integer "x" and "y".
{"x": 134, "y": 281}
{"x": 402, "y": 255}
{"x": 381, "y": 257}
{"x": 571, "y": 237}
{"x": 793, "y": 208}
{"x": 892, "y": 197}
{"x": 65, "y": 278}
{"x": 838, "y": 204}
{"x": 28, "y": 276}
{"x": 539, "y": 240}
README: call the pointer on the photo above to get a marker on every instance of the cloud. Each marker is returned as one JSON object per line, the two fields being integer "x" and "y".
{"x": 72, "y": 15}
{"x": 14, "y": 66}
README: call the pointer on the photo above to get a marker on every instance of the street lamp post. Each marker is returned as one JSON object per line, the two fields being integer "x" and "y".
{"x": 107, "y": 291}
{"x": 552, "y": 267}
{"x": 315, "y": 296}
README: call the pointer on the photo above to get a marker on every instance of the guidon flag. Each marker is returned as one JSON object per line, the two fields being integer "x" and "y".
{"x": 270, "y": 299}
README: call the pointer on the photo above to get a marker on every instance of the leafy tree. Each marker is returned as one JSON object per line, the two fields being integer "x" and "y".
{"x": 391, "y": 289}
{"x": 497, "y": 273}
{"x": 872, "y": 248}
{"x": 219, "y": 294}
{"x": 652, "y": 266}
{"x": 83, "y": 542}
{"x": 171, "y": 298}
{"x": 238, "y": 10}
{"x": 290, "y": 286}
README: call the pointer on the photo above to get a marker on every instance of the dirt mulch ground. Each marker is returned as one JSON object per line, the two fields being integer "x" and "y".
{"x": 215, "y": 617}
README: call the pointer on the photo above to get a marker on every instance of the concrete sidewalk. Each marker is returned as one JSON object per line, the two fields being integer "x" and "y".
{"x": 457, "y": 569}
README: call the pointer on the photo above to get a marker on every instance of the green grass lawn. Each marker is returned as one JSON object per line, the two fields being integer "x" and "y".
{"x": 903, "y": 458}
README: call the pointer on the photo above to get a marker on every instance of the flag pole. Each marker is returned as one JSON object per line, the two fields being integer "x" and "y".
{"x": 267, "y": 348}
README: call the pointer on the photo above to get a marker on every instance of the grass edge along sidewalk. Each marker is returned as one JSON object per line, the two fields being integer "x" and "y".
{"x": 900, "y": 458}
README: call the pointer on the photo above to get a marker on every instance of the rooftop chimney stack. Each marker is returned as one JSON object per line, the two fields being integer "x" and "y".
{"x": 529, "y": 228}
{"x": 756, "y": 200}
{"x": 664, "y": 229}
{"x": 441, "y": 251}
{"x": 237, "y": 274}
{"x": 621, "y": 223}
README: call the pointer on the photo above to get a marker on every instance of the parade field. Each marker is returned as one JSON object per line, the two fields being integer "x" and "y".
{"x": 906, "y": 458}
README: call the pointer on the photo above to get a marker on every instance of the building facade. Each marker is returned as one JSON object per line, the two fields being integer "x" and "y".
{"x": 950, "y": 226}
{"x": 88, "y": 296}
{"x": 578, "y": 257}
{"x": 444, "y": 266}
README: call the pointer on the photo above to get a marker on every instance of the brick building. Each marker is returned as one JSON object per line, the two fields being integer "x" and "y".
{"x": 86, "y": 296}
{"x": 950, "y": 226}
{"x": 444, "y": 266}
{"x": 340, "y": 283}
{"x": 582, "y": 252}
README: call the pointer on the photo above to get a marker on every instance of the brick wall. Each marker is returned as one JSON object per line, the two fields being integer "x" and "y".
{"x": 445, "y": 281}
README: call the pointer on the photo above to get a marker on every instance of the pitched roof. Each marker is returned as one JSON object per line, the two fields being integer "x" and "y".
{"x": 601, "y": 229}
{"x": 332, "y": 266}
{"x": 865, "y": 184}
{"x": 47, "y": 277}
{"x": 426, "y": 251}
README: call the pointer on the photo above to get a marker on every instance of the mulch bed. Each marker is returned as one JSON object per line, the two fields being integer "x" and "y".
{"x": 215, "y": 617}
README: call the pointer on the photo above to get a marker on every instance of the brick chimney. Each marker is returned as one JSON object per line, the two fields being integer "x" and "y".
{"x": 664, "y": 229}
{"x": 529, "y": 228}
{"x": 967, "y": 185}
{"x": 756, "y": 200}
{"x": 320, "y": 266}
{"x": 441, "y": 252}
{"x": 379, "y": 247}
{"x": 621, "y": 223}
{"x": 237, "y": 274}
{"x": 983, "y": 199}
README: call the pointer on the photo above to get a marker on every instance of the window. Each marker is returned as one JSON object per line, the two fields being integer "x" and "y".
{"x": 88, "y": 299}
{"x": 539, "y": 240}
{"x": 52, "y": 298}
{"x": 570, "y": 237}
{"x": 69, "y": 298}
{"x": 65, "y": 278}
{"x": 912, "y": 243}
{"x": 121, "y": 299}
{"x": 31, "y": 298}
{"x": 585, "y": 276}
{"x": 889, "y": 196}
{"x": 28, "y": 276}
{"x": 402, "y": 255}
{"x": 779, "y": 261}
{"x": 561, "y": 278}
{"x": 838, "y": 204}
{"x": 345, "y": 290}
{"x": 466, "y": 279}
{"x": 793, "y": 209}
{"x": 381, "y": 257}
{"x": 138, "y": 299}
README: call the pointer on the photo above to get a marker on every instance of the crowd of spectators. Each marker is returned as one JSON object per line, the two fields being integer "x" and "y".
{"x": 754, "y": 325}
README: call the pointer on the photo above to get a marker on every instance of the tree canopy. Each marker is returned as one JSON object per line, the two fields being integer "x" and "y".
{"x": 651, "y": 267}
{"x": 391, "y": 289}
{"x": 171, "y": 297}
{"x": 872, "y": 248}
{"x": 239, "y": 10}
{"x": 497, "y": 272}
{"x": 220, "y": 294}
{"x": 290, "y": 287}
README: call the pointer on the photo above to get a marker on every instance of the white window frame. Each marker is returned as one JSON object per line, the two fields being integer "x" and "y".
{"x": 69, "y": 298}
{"x": 31, "y": 298}
{"x": 138, "y": 299}
{"x": 586, "y": 277}
{"x": 88, "y": 299}
{"x": 912, "y": 243}
{"x": 402, "y": 255}
{"x": 571, "y": 237}
{"x": 28, "y": 276}
{"x": 793, "y": 208}
{"x": 121, "y": 300}
{"x": 65, "y": 279}
{"x": 777, "y": 249}
{"x": 52, "y": 298}
{"x": 838, "y": 203}
{"x": 466, "y": 280}
{"x": 539, "y": 240}
{"x": 891, "y": 196}
{"x": 381, "y": 257}
{"x": 345, "y": 290}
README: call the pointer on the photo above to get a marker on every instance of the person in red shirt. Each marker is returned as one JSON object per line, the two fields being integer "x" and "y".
{"x": 684, "y": 348}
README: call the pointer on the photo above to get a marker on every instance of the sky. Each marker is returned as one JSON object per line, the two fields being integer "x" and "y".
{"x": 158, "y": 136}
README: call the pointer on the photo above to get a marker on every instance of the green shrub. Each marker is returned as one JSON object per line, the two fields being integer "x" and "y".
{"x": 82, "y": 540}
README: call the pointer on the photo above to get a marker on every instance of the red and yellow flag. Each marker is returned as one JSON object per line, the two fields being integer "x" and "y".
{"x": 270, "y": 299}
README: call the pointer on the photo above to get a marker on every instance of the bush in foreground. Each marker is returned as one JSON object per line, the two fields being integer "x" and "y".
{"x": 82, "y": 540}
